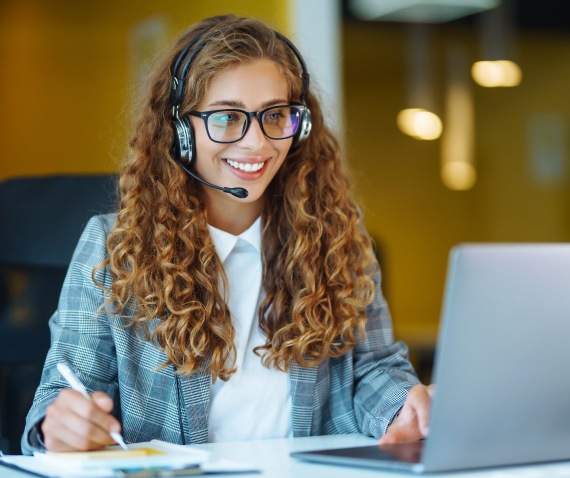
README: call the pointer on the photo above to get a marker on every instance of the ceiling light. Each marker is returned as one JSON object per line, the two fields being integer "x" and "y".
{"x": 421, "y": 11}
{"x": 419, "y": 123}
{"x": 497, "y": 67}
{"x": 496, "y": 73}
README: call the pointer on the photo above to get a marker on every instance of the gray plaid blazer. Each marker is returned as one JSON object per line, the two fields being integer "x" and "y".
{"x": 359, "y": 392}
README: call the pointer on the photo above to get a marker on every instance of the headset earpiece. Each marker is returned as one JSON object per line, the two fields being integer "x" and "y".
{"x": 183, "y": 146}
{"x": 306, "y": 125}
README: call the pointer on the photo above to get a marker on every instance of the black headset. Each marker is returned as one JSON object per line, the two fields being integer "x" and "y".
{"x": 183, "y": 146}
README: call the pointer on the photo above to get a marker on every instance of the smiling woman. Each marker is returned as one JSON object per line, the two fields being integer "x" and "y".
{"x": 201, "y": 312}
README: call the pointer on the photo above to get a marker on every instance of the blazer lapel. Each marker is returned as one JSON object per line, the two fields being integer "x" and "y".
{"x": 196, "y": 402}
{"x": 303, "y": 382}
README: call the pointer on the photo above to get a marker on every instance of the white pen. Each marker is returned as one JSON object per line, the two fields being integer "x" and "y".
{"x": 76, "y": 385}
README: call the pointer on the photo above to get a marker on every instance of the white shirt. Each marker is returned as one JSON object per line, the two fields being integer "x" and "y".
{"x": 255, "y": 403}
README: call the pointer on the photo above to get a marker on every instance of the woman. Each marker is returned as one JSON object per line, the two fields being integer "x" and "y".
{"x": 235, "y": 295}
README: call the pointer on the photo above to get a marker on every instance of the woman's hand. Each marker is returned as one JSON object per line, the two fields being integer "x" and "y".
{"x": 412, "y": 423}
{"x": 73, "y": 423}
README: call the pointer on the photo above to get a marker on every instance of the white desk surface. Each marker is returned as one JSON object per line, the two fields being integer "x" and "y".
{"x": 272, "y": 458}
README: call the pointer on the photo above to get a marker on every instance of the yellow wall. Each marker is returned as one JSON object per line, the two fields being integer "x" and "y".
{"x": 66, "y": 69}
{"x": 415, "y": 219}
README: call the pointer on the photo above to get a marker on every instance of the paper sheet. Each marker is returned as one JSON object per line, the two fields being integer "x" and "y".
{"x": 155, "y": 454}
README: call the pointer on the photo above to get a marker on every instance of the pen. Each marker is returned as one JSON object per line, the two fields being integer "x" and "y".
{"x": 76, "y": 385}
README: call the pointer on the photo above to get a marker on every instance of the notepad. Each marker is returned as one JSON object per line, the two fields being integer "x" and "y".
{"x": 153, "y": 454}
{"x": 155, "y": 457}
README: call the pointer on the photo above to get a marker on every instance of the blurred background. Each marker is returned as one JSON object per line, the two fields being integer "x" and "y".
{"x": 453, "y": 115}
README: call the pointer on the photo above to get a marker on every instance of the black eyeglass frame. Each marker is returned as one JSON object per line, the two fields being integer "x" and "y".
{"x": 248, "y": 115}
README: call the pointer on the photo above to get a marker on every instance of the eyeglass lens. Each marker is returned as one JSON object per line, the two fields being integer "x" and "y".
{"x": 277, "y": 123}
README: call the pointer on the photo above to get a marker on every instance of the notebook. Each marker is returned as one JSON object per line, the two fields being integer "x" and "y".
{"x": 501, "y": 367}
{"x": 152, "y": 459}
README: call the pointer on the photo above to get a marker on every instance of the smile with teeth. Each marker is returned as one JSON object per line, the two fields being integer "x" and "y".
{"x": 247, "y": 167}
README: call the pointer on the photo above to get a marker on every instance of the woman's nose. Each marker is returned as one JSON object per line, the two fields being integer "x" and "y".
{"x": 254, "y": 136}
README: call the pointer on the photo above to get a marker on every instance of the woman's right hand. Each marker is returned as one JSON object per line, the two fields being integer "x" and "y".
{"x": 73, "y": 423}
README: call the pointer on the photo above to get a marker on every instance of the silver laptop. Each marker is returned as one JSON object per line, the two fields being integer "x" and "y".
{"x": 502, "y": 366}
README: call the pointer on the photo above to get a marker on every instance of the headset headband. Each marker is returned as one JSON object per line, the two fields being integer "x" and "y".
{"x": 178, "y": 80}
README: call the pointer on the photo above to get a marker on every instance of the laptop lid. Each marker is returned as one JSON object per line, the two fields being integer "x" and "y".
{"x": 501, "y": 367}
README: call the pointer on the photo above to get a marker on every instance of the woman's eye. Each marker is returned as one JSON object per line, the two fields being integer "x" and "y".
{"x": 228, "y": 117}
{"x": 274, "y": 116}
{"x": 225, "y": 119}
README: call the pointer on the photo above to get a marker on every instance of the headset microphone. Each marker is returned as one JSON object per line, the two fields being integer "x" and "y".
{"x": 237, "y": 192}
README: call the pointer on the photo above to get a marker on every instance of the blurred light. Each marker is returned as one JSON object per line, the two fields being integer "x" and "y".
{"x": 458, "y": 175}
{"x": 497, "y": 73}
{"x": 419, "y": 123}
{"x": 418, "y": 11}
{"x": 498, "y": 48}
{"x": 458, "y": 142}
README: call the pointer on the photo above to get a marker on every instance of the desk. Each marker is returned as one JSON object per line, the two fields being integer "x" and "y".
{"x": 272, "y": 458}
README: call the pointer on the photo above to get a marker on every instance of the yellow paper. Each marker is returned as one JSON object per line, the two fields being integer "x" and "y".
{"x": 106, "y": 454}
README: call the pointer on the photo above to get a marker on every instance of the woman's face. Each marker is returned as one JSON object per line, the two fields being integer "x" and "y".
{"x": 253, "y": 161}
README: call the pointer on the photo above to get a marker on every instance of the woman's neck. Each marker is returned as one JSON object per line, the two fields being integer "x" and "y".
{"x": 231, "y": 216}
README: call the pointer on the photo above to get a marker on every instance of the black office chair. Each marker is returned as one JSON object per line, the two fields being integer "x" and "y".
{"x": 41, "y": 219}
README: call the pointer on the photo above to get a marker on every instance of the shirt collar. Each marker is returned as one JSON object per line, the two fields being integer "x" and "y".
{"x": 225, "y": 242}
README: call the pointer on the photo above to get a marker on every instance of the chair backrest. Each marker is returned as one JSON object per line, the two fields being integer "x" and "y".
{"x": 41, "y": 219}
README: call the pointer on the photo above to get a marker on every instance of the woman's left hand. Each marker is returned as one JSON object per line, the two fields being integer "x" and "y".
{"x": 412, "y": 423}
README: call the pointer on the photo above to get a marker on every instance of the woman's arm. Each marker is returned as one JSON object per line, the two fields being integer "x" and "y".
{"x": 383, "y": 372}
{"x": 80, "y": 336}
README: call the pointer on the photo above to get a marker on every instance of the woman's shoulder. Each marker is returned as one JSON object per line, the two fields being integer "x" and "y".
{"x": 93, "y": 240}
{"x": 101, "y": 223}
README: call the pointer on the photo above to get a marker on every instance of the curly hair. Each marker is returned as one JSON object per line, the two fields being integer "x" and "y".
{"x": 167, "y": 277}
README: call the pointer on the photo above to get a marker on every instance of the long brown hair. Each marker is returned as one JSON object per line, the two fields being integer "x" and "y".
{"x": 317, "y": 260}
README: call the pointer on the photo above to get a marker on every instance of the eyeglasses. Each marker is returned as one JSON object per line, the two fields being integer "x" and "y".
{"x": 231, "y": 125}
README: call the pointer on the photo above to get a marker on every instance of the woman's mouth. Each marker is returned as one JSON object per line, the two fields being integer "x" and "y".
{"x": 246, "y": 167}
